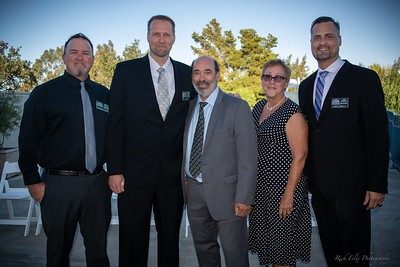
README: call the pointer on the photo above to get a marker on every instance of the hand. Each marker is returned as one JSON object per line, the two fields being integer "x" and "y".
{"x": 37, "y": 191}
{"x": 242, "y": 210}
{"x": 373, "y": 200}
{"x": 285, "y": 206}
{"x": 116, "y": 183}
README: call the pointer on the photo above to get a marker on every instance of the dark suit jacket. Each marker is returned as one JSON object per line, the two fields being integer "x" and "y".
{"x": 140, "y": 145}
{"x": 349, "y": 144}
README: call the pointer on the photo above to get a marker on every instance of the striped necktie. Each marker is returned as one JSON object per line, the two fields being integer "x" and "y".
{"x": 319, "y": 90}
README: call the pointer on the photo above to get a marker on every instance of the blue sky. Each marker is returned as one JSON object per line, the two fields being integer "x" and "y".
{"x": 370, "y": 29}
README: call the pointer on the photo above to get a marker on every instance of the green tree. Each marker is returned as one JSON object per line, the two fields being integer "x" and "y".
{"x": 221, "y": 46}
{"x": 105, "y": 60}
{"x": 299, "y": 69}
{"x": 50, "y": 65}
{"x": 15, "y": 73}
{"x": 391, "y": 87}
{"x": 255, "y": 51}
{"x": 9, "y": 113}
{"x": 132, "y": 51}
{"x": 240, "y": 65}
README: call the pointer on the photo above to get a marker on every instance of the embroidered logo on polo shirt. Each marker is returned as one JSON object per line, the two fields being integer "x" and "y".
{"x": 102, "y": 106}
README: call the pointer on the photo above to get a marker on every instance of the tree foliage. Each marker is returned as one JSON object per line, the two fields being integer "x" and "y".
{"x": 105, "y": 60}
{"x": 241, "y": 59}
{"x": 49, "y": 66}
{"x": 132, "y": 51}
{"x": 299, "y": 68}
{"x": 15, "y": 73}
{"x": 391, "y": 87}
{"x": 9, "y": 113}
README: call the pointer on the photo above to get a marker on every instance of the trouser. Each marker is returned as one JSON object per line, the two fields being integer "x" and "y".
{"x": 206, "y": 230}
{"x": 134, "y": 210}
{"x": 69, "y": 200}
{"x": 344, "y": 226}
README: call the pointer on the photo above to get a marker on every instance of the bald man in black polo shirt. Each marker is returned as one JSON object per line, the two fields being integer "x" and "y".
{"x": 63, "y": 130}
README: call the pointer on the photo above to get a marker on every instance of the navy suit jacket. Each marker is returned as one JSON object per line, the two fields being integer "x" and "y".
{"x": 141, "y": 145}
{"x": 349, "y": 144}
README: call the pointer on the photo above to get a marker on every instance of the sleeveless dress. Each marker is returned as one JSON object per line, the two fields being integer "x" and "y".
{"x": 275, "y": 240}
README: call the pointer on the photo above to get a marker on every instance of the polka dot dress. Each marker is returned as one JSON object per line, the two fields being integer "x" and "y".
{"x": 275, "y": 240}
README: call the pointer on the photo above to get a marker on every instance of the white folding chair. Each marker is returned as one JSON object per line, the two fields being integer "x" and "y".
{"x": 11, "y": 193}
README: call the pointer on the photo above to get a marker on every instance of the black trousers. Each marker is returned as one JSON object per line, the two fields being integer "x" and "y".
{"x": 344, "y": 226}
{"x": 69, "y": 200}
{"x": 134, "y": 210}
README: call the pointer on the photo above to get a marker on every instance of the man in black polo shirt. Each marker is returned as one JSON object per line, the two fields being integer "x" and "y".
{"x": 63, "y": 130}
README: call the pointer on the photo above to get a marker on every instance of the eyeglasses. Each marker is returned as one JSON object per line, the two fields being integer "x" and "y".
{"x": 268, "y": 78}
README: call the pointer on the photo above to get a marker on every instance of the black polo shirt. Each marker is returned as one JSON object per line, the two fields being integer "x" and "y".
{"x": 52, "y": 127}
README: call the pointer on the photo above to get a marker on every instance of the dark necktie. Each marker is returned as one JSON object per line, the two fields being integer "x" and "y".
{"x": 197, "y": 146}
{"x": 90, "y": 138}
{"x": 319, "y": 90}
{"x": 162, "y": 93}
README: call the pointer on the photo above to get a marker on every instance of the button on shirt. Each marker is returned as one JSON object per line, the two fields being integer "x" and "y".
{"x": 169, "y": 74}
{"x": 332, "y": 71}
{"x": 192, "y": 128}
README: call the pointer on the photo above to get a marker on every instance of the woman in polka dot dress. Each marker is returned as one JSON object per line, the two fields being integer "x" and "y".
{"x": 280, "y": 223}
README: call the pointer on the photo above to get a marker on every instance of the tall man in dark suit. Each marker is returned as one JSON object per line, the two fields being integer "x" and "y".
{"x": 148, "y": 105}
{"x": 348, "y": 147}
{"x": 219, "y": 169}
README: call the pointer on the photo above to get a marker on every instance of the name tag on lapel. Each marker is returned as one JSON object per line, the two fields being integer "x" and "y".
{"x": 185, "y": 95}
{"x": 340, "y": 102}
{"x": 102, "y": 106}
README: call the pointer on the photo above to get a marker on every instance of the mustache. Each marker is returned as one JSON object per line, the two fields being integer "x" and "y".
{"x": 202, "y": 82}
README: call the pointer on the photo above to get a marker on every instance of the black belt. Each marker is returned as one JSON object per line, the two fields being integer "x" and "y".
{"x": 73, "y": 173}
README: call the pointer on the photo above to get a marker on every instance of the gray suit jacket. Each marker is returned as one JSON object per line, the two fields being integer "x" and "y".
{"x": 229, "y": 168}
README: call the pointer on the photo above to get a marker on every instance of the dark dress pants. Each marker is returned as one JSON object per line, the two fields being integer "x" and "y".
{"x": 69, "y": 200}
{"x": 134, "y": 210}
{"x": 344, "y": 226}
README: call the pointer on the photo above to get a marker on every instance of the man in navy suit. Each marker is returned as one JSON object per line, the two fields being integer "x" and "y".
{"x": 348, "y": 147}
{"x": 149, "y": 102}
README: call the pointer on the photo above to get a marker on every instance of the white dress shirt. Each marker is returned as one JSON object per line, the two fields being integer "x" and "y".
{"x": 332, "y": 71}
{"x": 192, "y": 127}
{"x": 169, "y": 74}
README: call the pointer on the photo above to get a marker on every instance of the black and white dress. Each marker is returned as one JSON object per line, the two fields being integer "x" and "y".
{"x": 275, "y": 240}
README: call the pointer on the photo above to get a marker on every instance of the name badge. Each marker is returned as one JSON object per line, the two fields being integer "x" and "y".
{"x": 102, "y": 106}
{"x": 340, "y": 102}
{"x": 185, "y": 95}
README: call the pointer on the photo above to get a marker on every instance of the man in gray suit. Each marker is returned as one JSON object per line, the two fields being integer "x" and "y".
{"x": 219, "y": 168}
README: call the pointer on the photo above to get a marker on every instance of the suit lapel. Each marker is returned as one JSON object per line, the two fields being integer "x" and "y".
{"x": 214, "y": 116}
{"x": 336, "y": 85}
{"x": 309, "y": 98}
{"x": 187, "y": 124}
{"x": 178, "y": 83}
{"x": 146, "y": 73}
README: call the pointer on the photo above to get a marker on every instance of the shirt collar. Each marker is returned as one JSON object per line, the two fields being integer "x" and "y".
{"x": 155, "y": 66}
{"x": 75, "y": 82}
{"x": 211, "y": 99}
{"x": 334, "y": 67}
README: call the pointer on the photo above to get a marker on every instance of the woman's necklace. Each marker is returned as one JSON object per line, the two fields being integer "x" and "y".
{"x": 271, "y": 108}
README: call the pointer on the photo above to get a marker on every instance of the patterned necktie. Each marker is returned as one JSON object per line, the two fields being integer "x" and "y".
{"x": 162, "y": 93}
{"x": 319, "y": 90}
{"x": 90, "y": 138}
{"x": 197, "y": 146}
